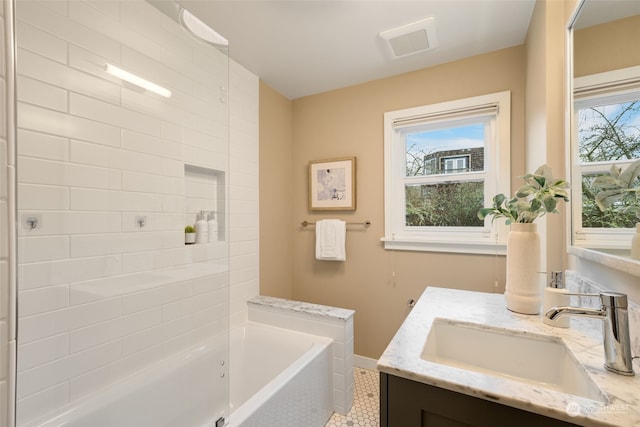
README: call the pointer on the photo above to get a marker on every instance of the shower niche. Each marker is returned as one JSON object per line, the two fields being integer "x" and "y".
{"x": 205, "y": 194}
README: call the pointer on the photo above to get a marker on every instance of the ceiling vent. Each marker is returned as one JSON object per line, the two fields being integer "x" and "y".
{"x": 411, "y": 38}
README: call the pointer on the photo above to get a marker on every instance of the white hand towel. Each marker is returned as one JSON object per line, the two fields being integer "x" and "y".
{"x": 330, "y": 240}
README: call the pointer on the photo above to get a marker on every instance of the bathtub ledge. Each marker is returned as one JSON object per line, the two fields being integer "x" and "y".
{"x": 303, "y": 307}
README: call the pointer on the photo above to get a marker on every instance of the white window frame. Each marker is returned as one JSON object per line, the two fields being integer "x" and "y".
{"x": 489, "y": 239}
{"x": 614, "y": 85}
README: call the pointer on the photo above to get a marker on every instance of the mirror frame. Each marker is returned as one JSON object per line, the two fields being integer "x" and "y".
{"x": 612, "y": 261}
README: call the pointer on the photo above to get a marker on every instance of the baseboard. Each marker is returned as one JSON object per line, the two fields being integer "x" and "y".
{"x": 364, "y": 362}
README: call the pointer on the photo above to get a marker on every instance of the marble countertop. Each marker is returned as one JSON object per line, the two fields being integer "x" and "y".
{"x": 583, "y": 338}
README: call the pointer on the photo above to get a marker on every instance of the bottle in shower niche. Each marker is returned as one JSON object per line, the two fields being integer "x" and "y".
{"x": 212, "y": 224}
{"x": 202, "y": 231}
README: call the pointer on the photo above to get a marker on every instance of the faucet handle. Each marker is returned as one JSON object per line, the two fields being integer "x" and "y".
{"x": 613, "y": 299}
{"x": 579, "y": 294}
{"x": 608, "y": 299}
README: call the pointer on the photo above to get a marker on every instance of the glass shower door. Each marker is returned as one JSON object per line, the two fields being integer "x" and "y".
{"x": 122, "y": 143}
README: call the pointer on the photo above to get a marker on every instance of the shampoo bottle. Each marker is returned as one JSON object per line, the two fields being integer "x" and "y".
{"x": 555, "y": 295}
{"x": 202, "y": 232}
{"x": 213, "y": 227}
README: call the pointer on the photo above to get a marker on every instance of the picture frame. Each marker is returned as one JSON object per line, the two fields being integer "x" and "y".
{"x": 332, "y": 184}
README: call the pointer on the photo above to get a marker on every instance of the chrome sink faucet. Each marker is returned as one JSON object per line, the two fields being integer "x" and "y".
{"x": 617, "y": 344}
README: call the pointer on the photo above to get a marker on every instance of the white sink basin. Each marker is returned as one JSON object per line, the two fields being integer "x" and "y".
{"x": 539, "y": 360}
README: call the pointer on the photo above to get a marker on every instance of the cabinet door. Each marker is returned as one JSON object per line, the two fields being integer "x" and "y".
{"x": 406, "y": 403}
{"x": 413, "y": 404}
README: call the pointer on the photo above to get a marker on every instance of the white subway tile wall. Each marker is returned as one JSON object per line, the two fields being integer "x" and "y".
{"x": 4, "y": 242}
{"x": 100, "y": 296}
{"x": 243, "y": 189}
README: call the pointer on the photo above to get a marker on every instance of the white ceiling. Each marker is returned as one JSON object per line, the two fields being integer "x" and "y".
{"x": 303, "y": 47}
{"x": 594, "y": 12}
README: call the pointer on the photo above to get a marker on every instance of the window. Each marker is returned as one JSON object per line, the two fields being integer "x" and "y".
{"x": 606, "y": 117}
{"x": 443, "y": 162}
{"x": 457, "y": 163}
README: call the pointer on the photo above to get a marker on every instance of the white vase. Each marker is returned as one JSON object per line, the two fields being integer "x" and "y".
{"x": 523, "y": 290}
{"x": 635, "y": 243}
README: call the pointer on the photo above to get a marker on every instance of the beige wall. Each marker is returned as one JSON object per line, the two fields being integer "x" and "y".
{"x": 545, "y": 114}
{"x": 607, "y": 47}
{"x": 378, "y": 283}
{"x": 349, "y": 122}
{"x": 276, "y": 193}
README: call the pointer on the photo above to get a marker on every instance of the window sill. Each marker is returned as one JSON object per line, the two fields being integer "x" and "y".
{"x": 482, "y": 247}
{"x": 604, "y": 239}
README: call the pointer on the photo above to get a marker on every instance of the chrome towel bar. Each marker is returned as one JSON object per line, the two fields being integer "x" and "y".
{"x": 365, "y": 223}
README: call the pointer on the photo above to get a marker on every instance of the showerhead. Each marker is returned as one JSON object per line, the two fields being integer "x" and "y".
{"x": 201, "y": 30}
{"x": 191, "y": 24}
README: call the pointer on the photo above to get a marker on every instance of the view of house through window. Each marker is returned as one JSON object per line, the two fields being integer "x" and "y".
{"x": 608, "y": 135}
{"x": 443, "y": 163}
{"x": 455, "y": 164}
{"x": 444, "y": 171}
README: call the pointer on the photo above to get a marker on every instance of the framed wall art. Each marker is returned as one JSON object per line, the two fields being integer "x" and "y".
{"x": 332, "y": 184}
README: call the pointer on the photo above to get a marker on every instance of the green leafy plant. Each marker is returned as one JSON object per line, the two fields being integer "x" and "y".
{"x": 189, "y": 229}
{"x": 619, "y": 190}
{"x": 444, "y": 204}
{"x": 540, "y": 195}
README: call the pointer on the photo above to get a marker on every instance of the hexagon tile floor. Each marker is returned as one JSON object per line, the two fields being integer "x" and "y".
{"x": 365, "y": 411}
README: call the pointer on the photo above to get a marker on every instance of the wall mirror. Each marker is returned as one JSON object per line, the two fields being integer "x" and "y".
{"x": 604, "y": 98}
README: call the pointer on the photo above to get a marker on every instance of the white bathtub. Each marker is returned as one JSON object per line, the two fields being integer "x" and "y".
{"x": 177, "y": 392}
{"x": 278, "y": 378}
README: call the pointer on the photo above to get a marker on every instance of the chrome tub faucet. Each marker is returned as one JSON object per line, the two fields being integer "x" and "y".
{"x": 613, "y": 312}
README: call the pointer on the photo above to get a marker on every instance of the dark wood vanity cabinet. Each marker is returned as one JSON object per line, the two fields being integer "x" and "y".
{"x": 406, "y": 403}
